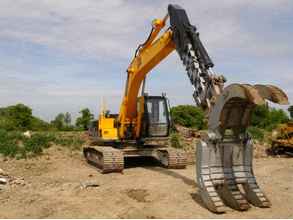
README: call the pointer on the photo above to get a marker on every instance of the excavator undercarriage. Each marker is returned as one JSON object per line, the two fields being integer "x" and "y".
{"x": 109, "y": 159}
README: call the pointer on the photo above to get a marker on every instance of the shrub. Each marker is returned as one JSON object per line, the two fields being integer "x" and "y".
{"x": 6, "y": 123}
{"x": 40, "y": 125}
{"x": 290, "y": 110}
{"x": 256, "y": 133}
{"x": 277, "y": 116}
{"x": 175, "y": 140}
{"x": 268, "y": 118}
{"x": 14, "y": 144}
{"x": 8, "y": 143}
{"x": 19, "y": 117}
{"x": 37, "y": 143}
{"x": 188, "y": 116}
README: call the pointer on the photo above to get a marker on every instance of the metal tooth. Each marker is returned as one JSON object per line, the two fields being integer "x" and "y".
{"x": 252, "y": 191}
{"x": 220, "y": 168}
{"x": 208, "y": 178}
{"x": 231, "y": 192}
{"x": 222, "y": 174}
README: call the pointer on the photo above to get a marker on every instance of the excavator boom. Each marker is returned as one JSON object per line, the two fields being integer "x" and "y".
{"x": 181, "y": 36}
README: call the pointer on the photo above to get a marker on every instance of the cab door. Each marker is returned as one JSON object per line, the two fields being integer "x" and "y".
{"x": 157, "y": 116}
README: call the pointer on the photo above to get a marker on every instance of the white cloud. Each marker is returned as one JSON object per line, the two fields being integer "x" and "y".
{"x": 48, "y": 99}
{"x": 111, "y": 30}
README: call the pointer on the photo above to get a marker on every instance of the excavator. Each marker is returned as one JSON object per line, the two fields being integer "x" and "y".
{"x": 282, "y": 140}
{"x": 224, "y": 170}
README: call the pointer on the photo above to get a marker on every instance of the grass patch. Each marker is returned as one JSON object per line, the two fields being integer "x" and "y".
{"x": 37, "y": 143}
{"x": 15, "y": 145}
{"x": 74, "y": 142}
{"x": 9, "y": 143}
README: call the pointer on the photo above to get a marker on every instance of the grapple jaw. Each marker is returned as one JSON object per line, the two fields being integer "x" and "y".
{"x": 224, "y": 157}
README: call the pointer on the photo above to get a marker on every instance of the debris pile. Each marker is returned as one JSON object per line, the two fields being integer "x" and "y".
{"x": 187, "y": 132}
{"x": 6, "y": 179}
{"x": 88, "y": 184}
{"x": 3, "y": 179}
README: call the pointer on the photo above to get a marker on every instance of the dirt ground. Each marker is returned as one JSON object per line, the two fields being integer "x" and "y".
{"x": 54, "y": 187}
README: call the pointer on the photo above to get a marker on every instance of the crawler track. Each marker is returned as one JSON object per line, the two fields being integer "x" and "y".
{"x": 172, "y": 158}
{"x": 106, "y": 159}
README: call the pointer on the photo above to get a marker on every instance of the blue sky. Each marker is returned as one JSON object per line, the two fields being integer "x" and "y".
{"x": 63, "y": 55}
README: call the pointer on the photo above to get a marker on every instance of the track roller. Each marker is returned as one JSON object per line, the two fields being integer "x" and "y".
{"x": 106, "y": 159}
{"x": 172, "y": 158}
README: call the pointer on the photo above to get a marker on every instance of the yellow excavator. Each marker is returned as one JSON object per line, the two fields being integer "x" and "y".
{"x": 224, "y": 154}
{"x": 282, "y": 140}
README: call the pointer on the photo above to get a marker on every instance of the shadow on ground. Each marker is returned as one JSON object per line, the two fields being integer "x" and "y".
{"x": 152, "y": 164}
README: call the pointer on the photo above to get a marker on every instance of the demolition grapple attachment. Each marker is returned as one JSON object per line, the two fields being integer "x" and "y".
{"x": 224, "y": 157}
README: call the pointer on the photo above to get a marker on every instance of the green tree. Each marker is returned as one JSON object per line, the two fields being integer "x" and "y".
{"x": 7, "y": 124}
{"x": 59, "y": 121}
{"x": 85, "y": 118}
{"x": 16, "y": 117}
{"x": 268, "y": 118}
{"x": 22, "y": 116}
{"x": 67, "y": 119}
{"x": 19, "y": 117}
{"x": 39, "y": 125}
{"x": 277, "y": 116}
{"x": 260, "y": 116}
{"x": 188, "y": 116}
{"x": 290, "y": 110}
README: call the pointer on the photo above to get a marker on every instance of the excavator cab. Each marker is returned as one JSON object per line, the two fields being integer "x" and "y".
{"x": 156, "y": 116}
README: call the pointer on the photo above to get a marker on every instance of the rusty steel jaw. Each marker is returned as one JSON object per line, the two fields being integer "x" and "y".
{"x": 225, "y": 176}
{"x": 224, "y": 156}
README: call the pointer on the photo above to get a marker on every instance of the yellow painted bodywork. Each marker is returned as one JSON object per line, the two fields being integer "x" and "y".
{"x": 140, "y": 113}
{"x": 283, "y": 136}
{"x": 151, "y": 53}
{"x": 107, "y": 128}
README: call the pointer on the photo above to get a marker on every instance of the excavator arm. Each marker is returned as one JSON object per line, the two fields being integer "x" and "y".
{"x": 146, "y": 58}
{"x": 183, "y": 37}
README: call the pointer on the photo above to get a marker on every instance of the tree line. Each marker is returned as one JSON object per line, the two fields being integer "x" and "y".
{"x": 263, "y": 117}
{"x": 19, "y": 117}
